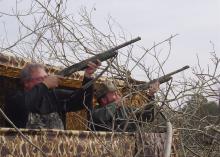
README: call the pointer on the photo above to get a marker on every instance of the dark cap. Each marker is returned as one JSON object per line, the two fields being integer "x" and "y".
{"x": 103, "y": 88}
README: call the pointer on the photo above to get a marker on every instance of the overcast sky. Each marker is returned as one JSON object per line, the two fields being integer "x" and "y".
{"x": 196, "y": 21}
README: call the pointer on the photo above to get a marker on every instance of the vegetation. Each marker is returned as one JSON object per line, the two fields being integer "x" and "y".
{"x": 190, "y": 102}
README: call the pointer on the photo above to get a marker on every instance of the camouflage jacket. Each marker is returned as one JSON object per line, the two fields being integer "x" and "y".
{"x": 111, "y": 117}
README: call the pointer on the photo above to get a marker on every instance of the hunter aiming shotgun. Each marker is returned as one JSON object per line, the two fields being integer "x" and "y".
{"x": 149, "y": 107}
{"x": 161, "y": 79}
{"x": 102, "y": 57}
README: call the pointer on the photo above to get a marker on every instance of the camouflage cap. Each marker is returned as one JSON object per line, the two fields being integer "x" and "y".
{"x": 104, "y": 88}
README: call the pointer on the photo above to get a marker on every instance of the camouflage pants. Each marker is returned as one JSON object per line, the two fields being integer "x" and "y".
{"x": 47, "y": 121}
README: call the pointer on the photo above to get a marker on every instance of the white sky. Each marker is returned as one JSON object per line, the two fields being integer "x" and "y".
{"x": 196, "y": 21}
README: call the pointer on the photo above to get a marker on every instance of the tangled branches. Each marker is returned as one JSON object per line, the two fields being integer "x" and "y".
{"x": 48, "y": 34}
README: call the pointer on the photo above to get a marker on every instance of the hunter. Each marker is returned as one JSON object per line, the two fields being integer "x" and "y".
{"x": 112, "y": 115}
{"x": 41, "y": 104}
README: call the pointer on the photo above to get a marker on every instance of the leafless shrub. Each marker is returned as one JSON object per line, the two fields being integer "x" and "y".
{"x": 48, "y": 34}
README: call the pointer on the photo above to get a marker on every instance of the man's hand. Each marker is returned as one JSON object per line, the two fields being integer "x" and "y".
{"x": 154, "y": 87}
{"x": 92, "y": 67}
{"x": 51, "y": 81}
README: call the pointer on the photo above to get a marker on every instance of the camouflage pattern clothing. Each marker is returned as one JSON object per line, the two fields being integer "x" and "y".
{"x": 45, "y": 108}
{"x": 111, "y": 117}
{"x": 41, "y": 121}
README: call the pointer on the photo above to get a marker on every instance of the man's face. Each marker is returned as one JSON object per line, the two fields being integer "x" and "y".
{"x": 37, "y": 76}
{"x": 111, "y": 97}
